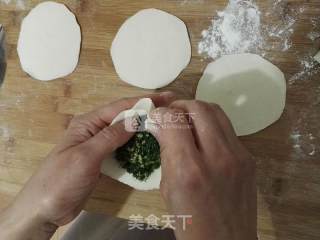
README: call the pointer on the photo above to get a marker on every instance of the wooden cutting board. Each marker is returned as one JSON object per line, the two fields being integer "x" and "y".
{"x": 34, "y": 115}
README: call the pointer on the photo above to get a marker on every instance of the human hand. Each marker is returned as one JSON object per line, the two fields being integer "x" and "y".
{"x": 57, "y": 192}
{"x": 206, "y": 173}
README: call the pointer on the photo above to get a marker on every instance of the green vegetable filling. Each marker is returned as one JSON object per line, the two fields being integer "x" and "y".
{"x": 140, "y": 156}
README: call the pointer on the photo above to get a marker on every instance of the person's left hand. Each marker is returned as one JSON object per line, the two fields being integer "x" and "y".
{"x": 57, "y": 192}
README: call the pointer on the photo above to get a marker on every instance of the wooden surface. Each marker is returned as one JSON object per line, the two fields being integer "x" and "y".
{"x": 34, "y": 115}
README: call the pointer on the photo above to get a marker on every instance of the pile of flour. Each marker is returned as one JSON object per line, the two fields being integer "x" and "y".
{"x": 239, "y": 28}
{"x": 236, "y": 29}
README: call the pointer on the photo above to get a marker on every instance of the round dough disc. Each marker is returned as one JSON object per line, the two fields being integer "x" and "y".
{"x": 151, "y": 49}
{"x": 251, "y": 91}
{"x": 49, "y": 42}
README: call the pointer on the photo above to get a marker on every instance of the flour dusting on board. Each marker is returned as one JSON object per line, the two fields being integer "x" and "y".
{"x": 284, "y": 18}
{"x": 303, "y": 144}
{"x": 19, "y": 4}
{"x": 4, "y": 133}
{"x": 240, "y": 28}
{"x": 237, "y": 29}
{"x": 184, "y": 2}
{"x": 308, "y": 65}
{"x": 305, "y": 132}
{"x": 315, "y": 32}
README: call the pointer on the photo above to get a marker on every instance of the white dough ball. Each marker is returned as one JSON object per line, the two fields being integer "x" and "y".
{"x": 251, "y": 91}
{"x": 49, "y": 42}
{"x": 151, "y": 49}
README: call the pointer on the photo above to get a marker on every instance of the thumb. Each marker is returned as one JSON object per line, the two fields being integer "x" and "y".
{"x": 108, "y": 140}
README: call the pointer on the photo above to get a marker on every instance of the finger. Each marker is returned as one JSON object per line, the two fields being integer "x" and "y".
{"x": 207, "y": 127}
{"x": 108, "y": 140}
{"x": 109, "y": 112}
{"x": 89, "y": 124}
{"x": 174, "y": 136}
{"x": 224, "y": 122}
{"x": 104, "y": 115}
{"x": 163, "y": 99}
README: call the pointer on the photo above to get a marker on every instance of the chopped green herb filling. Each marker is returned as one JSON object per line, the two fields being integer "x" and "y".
{"x": 140, "y": 156}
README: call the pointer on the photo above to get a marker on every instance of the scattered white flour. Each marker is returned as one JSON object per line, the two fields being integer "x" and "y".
{"x": 184, "y": 2}
{"x": 305, "y": 131}
{"x": 237, "y": 29}
{"x": 4, "y": 133}
{"x": 240, "y": 28}
{"x": 12, "y": 102}
{"x": 308, "y": 67}
{"x": 303, "y": 144}
{"x": 315, "y": 32}
{"x": 314, "y": 35}
{"x": 20, "y": 4}
{"x": 283, "y": 18}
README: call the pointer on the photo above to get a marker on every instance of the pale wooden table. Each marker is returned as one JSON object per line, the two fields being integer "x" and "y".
{"x": 34, "y": 115}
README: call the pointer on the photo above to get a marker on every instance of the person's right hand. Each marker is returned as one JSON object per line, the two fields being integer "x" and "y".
{"x": 206, "y": 173}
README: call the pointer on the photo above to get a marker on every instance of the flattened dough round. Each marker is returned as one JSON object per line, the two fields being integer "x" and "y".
{"x": 49, "y": 42}
{"x": 251, "y": 91}
{"x": 151, "y": 49}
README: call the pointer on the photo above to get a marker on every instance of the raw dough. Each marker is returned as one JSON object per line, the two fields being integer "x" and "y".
{"x": 111, "y": 167}
{"x": 151, "y": 49}
{"x": 49, "y": 42}
{"x": 251, "y": 90}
